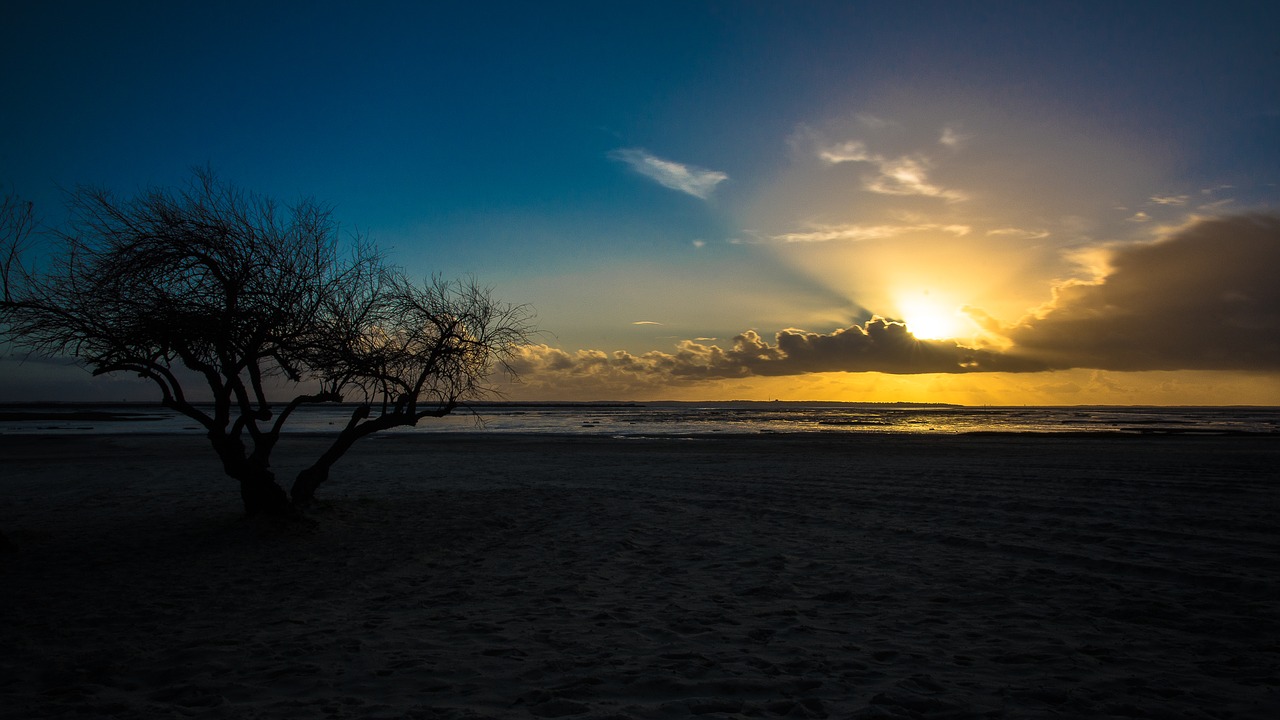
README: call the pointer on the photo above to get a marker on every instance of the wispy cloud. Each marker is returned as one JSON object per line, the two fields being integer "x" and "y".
{"x": 852, "y": 151}
{"x": 873, "y": 122}
{"x": 1215, "y": 206}
{"x": 857, "y": 233}
{"x": 951, "y": 138}
{"x": 646, "y": 322}
{"x": 695, "y": 181}
{"x": 902, "y": 175}
{"x": 1169, "y": 199}
{"x": 1020, "y": 233}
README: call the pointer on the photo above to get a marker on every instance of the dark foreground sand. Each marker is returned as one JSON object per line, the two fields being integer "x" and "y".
{"x": 776, "y": 576}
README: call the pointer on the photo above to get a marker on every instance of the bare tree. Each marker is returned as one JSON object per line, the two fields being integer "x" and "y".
{"x": 17, "y": 221}
{"x": 250, "y": 298}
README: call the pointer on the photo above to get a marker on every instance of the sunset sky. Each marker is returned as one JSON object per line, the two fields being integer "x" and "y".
{"x": 1065, "y": 203}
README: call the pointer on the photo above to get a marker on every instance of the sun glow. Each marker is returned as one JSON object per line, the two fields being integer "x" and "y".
{"x": 930, "y": 319}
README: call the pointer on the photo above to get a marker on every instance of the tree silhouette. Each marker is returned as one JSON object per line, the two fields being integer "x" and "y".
{"x": 212, "y": 286}
{"x": 17, "y": 221}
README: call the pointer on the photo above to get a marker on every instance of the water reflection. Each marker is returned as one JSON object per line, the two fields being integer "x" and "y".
{"x": 677, "y": 419}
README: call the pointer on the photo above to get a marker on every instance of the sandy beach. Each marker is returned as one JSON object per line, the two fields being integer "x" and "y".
{"x": 484, "y": 576}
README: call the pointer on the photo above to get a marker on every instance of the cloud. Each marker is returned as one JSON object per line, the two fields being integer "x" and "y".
{"x": 952, "y": 139}
{"x": 1216, "y": 206}
{"x": 1020, "y": 233}
{"x": 855, "y": 233}
{"x": 883, "y": 346}
{"x": 695, "y": 181}
{"x": 1170, "y": 199}
{"x": 852, "y": 151}
{"x": 646, "y": 322}
{"x": 902, "y": 175}
{"x": 1206, "y": 297}
{"x": 873, "y": 122}
{"x": 878, "y": 345}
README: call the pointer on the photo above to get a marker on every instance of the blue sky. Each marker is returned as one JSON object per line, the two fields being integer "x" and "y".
{"x": 705, "y": 169}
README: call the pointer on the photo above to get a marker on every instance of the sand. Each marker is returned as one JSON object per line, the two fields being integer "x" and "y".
{"x": 767, "y": 576}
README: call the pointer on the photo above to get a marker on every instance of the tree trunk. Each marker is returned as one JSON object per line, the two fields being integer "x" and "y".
{"x": 259, "y": 491}
{"x": 262, "y": 496}
{"x": 304, "y": 486}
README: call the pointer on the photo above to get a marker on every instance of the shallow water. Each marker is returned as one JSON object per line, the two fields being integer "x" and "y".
{"x": 665, "y": 419}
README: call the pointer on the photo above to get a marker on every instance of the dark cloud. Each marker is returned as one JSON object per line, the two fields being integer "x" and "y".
{"x": 877, "y": 345}
{"x": 882, "y": 346}
{"x": 1205, "y": 298}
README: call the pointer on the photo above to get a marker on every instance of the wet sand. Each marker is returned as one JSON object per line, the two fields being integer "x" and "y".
{"x": 763, "y": 576}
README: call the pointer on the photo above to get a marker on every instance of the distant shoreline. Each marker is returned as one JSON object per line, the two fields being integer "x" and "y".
{"x": 692, "y": 420}
{"x": 7, "y": 406}
{"x": 79, "y": 415}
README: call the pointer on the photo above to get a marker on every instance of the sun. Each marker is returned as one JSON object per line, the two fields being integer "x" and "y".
{"x": 930, "y": 319}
